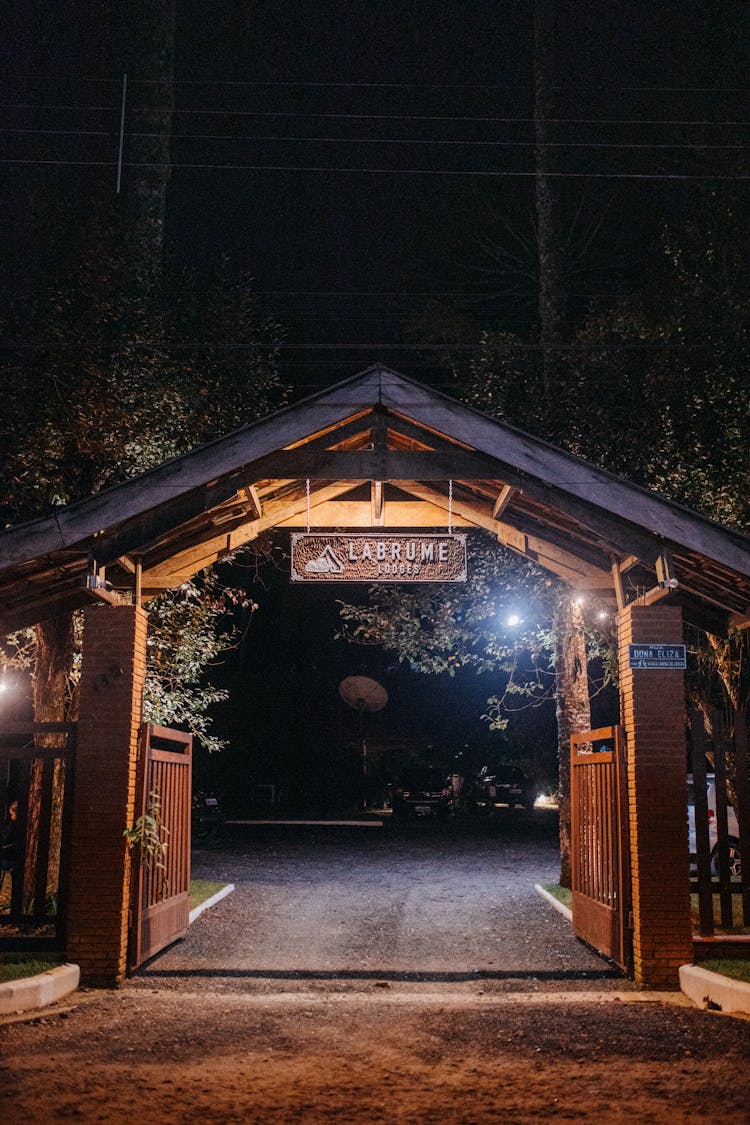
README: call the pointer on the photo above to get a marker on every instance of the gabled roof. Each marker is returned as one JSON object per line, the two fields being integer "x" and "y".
{"x": 377, "y": 450}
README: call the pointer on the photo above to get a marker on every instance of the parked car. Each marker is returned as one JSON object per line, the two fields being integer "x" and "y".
{"x": 206, "y": 817}
{"x": 733, "y": 830}
{"x": 508, "y": 785}
{"x": 423, "y": 792}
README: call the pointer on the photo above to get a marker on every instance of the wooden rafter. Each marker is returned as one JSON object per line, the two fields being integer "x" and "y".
{"x": 534, "y": 548}
{"x": 194, "y": 559}
{"x": 504, "y": 497}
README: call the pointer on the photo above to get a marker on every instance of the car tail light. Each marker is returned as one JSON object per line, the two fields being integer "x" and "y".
{"x": 447, "y": 792}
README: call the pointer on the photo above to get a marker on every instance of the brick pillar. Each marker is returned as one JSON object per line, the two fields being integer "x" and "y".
{"x": 653, "y": 714}
{"x": 111, "y": 704}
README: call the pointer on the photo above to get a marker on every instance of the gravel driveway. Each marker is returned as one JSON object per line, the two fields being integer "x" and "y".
{"x": 417, "y": 903}
{"x": 365, "y": 978}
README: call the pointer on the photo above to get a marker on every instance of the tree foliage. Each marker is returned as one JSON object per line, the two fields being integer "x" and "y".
{"x": 190, "y": 629}
{"x": 497, "y": 623}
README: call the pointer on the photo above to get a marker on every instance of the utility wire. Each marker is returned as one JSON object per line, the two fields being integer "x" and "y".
{"x": 363, "y": 140}
{"x": 318, "y": 84}
{"x": 379, "y": 171}
{"x": 373, "y": 116}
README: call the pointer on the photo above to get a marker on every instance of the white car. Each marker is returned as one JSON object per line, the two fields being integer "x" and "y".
{"x": 733, "y": 830}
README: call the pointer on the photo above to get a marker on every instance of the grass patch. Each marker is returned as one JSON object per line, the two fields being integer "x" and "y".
{"x": 14, "y": 966}
{"x": 736, "y": 927}
{"x": 200, "y": 890}
{"x": 728, "y": 967}
{"x": 562, "y": 894}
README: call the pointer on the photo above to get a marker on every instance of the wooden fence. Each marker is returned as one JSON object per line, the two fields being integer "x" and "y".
{"x": 37, "y": 762}
{"x": 719, "y": 820}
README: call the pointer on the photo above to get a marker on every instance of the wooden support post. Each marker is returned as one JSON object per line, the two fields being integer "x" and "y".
{"x": 138, "y": 586}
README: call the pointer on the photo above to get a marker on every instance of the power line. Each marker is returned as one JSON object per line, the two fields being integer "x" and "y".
{"x": 318, "y": 84}
{"x": 376, "y": 116}
{"x": 690, "y": 147}
{"x": 378, "y": 171}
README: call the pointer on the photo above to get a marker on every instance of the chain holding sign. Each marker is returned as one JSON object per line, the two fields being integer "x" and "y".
{"x": 367, "y": 557}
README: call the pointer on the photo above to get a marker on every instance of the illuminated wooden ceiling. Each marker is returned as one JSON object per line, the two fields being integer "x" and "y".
{"x": 378, "y": 450}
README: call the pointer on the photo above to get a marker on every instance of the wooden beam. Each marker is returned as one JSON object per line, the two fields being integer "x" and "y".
{"x": 656, "y": 594}
{"x": 636, "y": 519}
{"x": 346, "y": 514}
{"x": 374, "y": 464}
{"x": 379, "y": 429}
{"x": 249, "y": 495}
{"x": 53, "y": 603}
{"x": 504, "y": 497}
{"x": 165, "y": 488}
{"x": 336, "y": 435}
{"x": 376, "y": 503}
{"x": 193, "y": 559}
{"x": 617, "y": 580}
{"x": 578, "y": 548}
{"x": 455, "y": 463}
{"x": 533, "y": 547}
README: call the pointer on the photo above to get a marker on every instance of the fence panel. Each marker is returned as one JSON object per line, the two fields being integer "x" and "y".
{"x": 37, "y": 763}
{"x": 718, "y": 814}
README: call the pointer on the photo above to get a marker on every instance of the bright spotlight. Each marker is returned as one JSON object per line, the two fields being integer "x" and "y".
{"x": 579, "y": 599}
{"x": 513, "y": 620}
{"x": 602, "y": 615}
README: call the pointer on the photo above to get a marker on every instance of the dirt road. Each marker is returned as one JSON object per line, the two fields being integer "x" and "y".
{"x": 413, "y": 979}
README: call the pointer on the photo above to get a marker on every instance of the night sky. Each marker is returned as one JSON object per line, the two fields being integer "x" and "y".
{"x": 355, "y": 158}
{"x": 360, "y": 161}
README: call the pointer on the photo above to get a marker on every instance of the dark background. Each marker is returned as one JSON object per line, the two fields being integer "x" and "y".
{"x": 362, "y": 162}
{"x": 357, "y": 158}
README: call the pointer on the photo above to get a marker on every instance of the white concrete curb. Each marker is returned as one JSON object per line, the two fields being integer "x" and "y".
{"x": 559, "y": 906}
{"x": 196, "y": 913}
{"x": 706, "y": 988}
{"x": 39, "y": 991}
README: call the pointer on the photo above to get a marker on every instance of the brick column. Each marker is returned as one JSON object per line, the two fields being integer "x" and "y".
{"x": 653, "y": 714}
{"x": 111, "y": 704}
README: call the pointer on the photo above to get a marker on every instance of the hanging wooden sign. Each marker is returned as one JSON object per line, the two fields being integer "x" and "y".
{"x": 378, "y": 557}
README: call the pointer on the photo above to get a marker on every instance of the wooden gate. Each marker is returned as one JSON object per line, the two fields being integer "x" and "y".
{"x": 161, "y": 882}
{"x": 599, "y": 842}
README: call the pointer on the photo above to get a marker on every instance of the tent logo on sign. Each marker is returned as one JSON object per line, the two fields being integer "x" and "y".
{"x": 326, "y": 563}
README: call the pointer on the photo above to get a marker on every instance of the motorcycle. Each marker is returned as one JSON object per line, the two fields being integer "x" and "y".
{"x": 206, "y": 818}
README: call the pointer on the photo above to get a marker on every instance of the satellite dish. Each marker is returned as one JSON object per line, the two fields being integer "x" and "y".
{"x": 363, "y": 694}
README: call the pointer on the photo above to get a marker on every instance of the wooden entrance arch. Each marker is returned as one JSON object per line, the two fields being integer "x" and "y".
{"x": 378, "y": 450}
